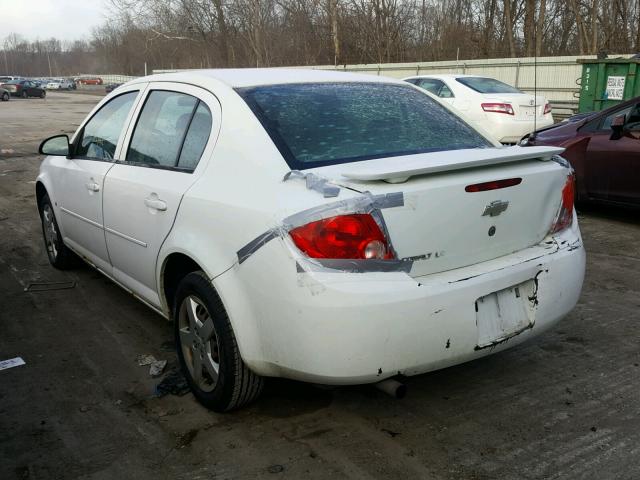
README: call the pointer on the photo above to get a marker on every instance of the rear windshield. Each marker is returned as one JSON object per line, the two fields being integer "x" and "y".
{"x": 319, "y": 124}
{"x": 487, "y": 85}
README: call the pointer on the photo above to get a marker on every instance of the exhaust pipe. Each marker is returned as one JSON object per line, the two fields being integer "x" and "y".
{"x": 392, "y": 387}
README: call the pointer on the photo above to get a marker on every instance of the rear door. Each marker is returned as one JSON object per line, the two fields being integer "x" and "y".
{"x": 142, "y": 194}
{"x": 79, "y": 181}
{"x": 612, "y": 167}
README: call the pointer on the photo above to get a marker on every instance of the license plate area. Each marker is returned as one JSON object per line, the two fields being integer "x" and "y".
{"x": 527, "y": 111}
{"x": 505, "y": 313}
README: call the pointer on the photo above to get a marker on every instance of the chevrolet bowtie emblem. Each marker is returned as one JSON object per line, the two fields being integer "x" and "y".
{"x": 495, "y": 208}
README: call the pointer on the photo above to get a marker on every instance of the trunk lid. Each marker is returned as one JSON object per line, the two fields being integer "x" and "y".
{"x": 525, "y": 106}
{"x": 441, "y": 226}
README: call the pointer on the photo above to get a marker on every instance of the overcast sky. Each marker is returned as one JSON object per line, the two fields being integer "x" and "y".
{"x": 63, "y": 19}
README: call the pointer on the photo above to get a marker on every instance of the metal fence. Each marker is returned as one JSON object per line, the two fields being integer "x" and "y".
{"x": 557, "y": 78}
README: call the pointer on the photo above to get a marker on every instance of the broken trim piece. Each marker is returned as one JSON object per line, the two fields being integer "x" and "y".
{"x": 315, "y": 182}
{"x": 255, "y": 244}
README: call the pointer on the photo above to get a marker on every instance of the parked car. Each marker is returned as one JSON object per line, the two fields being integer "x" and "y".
{"x": 8, "y": 78}
{"x": 110, "y": 87}
{"x": 67, "y": 84}
{"x": 53, "y": 85}
{"x": 321, "y": 226}
{"x": 504, "y": 111}
{"x": 89, "y": 81}
{"x": 5, "y": 96}
{"x": 24, "y": 89}
{"x": 604, "y": 149}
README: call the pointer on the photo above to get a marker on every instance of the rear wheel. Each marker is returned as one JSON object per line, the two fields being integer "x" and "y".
{"x": 5, "y": 97}
{"x": 207, "y": 348}
{"x": 59, "y": 255}
{"x": 43, "y": 94}
{"x": 24, "y": 94}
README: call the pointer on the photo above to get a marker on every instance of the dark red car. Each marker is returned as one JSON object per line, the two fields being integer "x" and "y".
{"x": 604, "y": 149}
{"x": 89, "y": 81}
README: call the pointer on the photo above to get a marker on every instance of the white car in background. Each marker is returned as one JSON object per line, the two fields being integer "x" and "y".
{"x": 53, "y": 85}
{"x": 321, "y": 226}
{"x": 503, "y": 111}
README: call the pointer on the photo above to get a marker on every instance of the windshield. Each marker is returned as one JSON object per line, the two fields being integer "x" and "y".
{"x": 487, "y": 85}
{"x": 328, "y": 123}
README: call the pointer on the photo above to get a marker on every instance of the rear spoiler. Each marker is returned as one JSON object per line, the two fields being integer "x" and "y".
{"x": 400, "y": 169}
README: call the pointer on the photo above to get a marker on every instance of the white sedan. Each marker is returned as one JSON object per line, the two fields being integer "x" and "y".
{"x": 506, "y": 113}
{"x": 320, "y": 226}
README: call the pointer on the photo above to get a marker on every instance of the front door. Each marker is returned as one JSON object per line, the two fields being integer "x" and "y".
{"x": 613, "y": 166}
{"x": 142, "y": 194}
{"x": 82, "y": 179}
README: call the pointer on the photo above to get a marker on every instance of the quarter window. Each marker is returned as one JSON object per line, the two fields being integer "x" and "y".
{"x": 99, "y": 137}
{"x": 196, "y": 138}
{"x": 172, "y": 131}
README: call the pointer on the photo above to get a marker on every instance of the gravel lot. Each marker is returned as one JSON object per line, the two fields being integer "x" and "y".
{"x": 565, "y": 405}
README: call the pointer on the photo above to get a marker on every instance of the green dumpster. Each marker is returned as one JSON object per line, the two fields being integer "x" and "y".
{"x": 606, "y": 83}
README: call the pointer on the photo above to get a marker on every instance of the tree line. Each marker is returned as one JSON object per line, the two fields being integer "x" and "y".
{"x": 166, "y": 34}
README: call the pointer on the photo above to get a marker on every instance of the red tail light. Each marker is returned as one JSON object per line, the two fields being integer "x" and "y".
{"x": 493, "y": 185}
{"x": 565, "y": 215}
{"x": 498, "y": 108}
{"x": 547, "y": 108}
{"x": 356, "y": 236}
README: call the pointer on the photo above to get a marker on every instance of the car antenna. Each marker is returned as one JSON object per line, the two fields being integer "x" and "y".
{"x": 535, "y": 76}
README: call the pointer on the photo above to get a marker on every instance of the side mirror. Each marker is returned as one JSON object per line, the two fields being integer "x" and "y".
{"x": 617, "y": 127}
{"x": 57, "y": 145}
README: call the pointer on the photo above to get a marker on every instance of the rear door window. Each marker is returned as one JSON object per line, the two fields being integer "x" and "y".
{"x": 99, "y": 137}
{"x": 172, "y": 131}
{"x": 328, "y": 123}
{"x": 435, "y": 86}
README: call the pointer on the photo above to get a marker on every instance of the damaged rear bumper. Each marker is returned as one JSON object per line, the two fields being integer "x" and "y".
{"x": 352, "y": 328}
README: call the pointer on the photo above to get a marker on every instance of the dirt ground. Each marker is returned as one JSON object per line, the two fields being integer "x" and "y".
{"x": 565, "y": 405}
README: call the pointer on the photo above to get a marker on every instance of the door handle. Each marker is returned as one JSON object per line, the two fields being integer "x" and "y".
{"x": 93, "y": 187}
{"x": 155, "y": 203}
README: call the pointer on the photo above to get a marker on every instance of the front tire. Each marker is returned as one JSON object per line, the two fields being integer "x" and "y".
{"x": 43, "y": 94}
{"x": 25, "y": 94}
{"x": 5, "y": 97}
{"x": 59, "y": 255}
{"x": 207, "y": 348}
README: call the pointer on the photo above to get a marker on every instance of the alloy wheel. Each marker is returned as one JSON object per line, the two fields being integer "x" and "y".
{"x": 199, "y": 343}
{"x": 50, "y": 231}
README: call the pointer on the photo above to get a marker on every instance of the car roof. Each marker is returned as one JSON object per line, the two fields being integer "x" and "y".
{"x": 443, "y": 76}
{"x": 250, "y": 77}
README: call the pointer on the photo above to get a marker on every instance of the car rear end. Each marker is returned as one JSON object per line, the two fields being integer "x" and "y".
{"x": 509, "y": 113}
{"x": 14, "y": 88}
{"x": 399, "y": 262}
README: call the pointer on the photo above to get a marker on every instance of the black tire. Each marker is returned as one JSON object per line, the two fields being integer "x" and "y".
{"x": 43, "y": 94}
{"x": 236, "y": 385}
{"x": 25, "y": 94}
{"x": 6, "y": 97}
{"x": 59, "y": 255}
